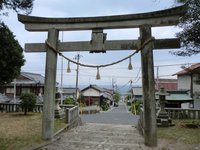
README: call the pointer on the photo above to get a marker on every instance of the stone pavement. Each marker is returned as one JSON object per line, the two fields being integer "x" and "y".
{"x": 92, "y": 136}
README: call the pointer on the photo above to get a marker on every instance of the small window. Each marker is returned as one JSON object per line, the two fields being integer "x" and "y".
{"x": 197, "y": 76}
{"x": 9, "y": 90}
{"x": 25, "y": 90}
{"x": 197, "y": 79}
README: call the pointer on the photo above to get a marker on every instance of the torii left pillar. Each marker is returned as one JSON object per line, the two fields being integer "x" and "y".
{"x": 50, "y": 87}
{"x": 148, "y": 85}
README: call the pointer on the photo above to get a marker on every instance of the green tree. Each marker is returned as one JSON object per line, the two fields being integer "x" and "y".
{"x": 129, "y": 96}
{"x": 28, "y": 102}
{"x": 181, "y": 1}
{"x": 24, "y": 6}
{"x": 190, "y": 23}
{"x": 69, "y": 100}
{"x": 11, "y": 54}
{"x": 117, "y": 96}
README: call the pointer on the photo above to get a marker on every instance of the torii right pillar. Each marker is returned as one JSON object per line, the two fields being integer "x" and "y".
{"x": 148, "y": 84}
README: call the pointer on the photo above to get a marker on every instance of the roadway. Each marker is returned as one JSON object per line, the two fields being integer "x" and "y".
{"x": 116, "y": 115}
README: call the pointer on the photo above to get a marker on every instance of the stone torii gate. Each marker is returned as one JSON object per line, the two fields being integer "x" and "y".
{"x": 99, "y": 43}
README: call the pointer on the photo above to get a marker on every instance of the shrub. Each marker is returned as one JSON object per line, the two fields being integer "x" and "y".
{"x": 137, "y": 104}
{"x": 105, "y": 106}
{"x": 69, "y": 100}
{"x": 28, "y": 101}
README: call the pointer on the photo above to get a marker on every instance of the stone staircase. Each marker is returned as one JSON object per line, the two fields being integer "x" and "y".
{"x": 93, "y": 136}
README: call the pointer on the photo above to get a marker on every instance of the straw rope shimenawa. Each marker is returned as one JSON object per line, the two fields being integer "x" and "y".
{"x": 100, "y": 66}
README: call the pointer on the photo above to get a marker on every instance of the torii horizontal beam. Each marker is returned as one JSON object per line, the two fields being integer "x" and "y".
{"x": 168, "y": 17}
{"x": 108, "y": 45}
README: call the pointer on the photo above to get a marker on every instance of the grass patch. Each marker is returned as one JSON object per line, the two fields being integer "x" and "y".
{"x": 18, "y": 131}
{"x": 180, "y": 133}
{"x": 59, "y": 124}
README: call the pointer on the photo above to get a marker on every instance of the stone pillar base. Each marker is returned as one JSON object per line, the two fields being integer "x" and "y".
{"x": 164, "y": 121}
{"x": 59, "y": 114}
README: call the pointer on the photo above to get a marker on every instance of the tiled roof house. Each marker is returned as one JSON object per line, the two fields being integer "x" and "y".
{"x": 25, "y": 83}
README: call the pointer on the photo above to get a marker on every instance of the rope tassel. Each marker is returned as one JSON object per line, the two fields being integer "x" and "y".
{"x": 68, "y": 67}
{"x": 98, "y": 75}
{"x": 130, "y": 67}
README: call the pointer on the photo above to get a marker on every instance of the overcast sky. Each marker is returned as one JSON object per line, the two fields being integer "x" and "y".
{"x": 35, "y": 62}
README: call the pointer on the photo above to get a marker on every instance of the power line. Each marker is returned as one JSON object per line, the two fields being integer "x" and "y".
{"x": 174, "y": 65}
{"x": 121, "y": 87}
{"x": 77, "y": 73}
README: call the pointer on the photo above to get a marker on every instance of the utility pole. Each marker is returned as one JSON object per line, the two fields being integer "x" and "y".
{"x": 132, "y": 102}
{"x": 157, "y": 79}
{"x": 113, "y": 90}
{"x": 61, "y": 81}
{"x": 14, "y": 94}
{"x": 62, "y": 75}
{"x": 77, "y": 57}
{"x": 131, "y": 82}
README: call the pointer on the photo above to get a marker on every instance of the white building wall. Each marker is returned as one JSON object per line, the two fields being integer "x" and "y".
{"x": 185, "y": 105}
{"x": 91, "y": 92}
{"x": 196, "y": 87}
{"x": 184, "y": 82}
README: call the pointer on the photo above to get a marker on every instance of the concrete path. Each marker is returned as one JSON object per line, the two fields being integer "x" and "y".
{"x": 93, "y": 136}
{"x": 117, "y": 115}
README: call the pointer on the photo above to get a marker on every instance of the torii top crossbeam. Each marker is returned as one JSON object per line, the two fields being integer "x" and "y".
{"x": 166, "y": 17}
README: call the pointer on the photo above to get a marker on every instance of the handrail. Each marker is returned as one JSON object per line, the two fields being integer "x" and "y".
{"x": 72, "y": 116}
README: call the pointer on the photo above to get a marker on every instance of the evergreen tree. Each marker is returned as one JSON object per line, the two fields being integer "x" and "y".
{"x": 11, "y": 55}
{"x": 25, "y": 6}
{"x": 190, "y": 35}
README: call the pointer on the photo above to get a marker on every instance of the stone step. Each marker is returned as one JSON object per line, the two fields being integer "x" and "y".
{"x": 109, "y": 138}
{"x": 110, "y": 133}
{"x": 93, "y": 146}
{"x": 108, "y": 128}
{"x": 106, "y": 138}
